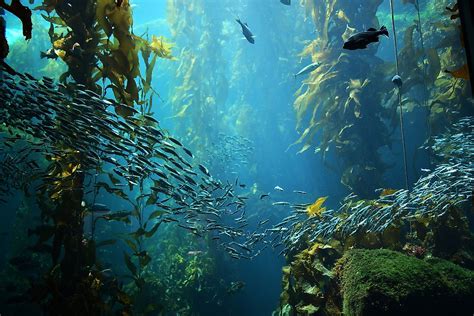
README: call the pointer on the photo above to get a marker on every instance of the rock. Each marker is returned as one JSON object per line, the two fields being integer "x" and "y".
{"x": 385, "y": 282}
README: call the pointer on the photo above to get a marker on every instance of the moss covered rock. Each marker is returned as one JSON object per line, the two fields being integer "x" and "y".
{"x": 384, "y": 282}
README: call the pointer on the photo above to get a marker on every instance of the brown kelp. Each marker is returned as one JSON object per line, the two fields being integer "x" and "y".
{"x": 24, "y": 14}
{"x": 48, "y": 122}
{"x": 198, "y": 99}
{"x": 184, "y": 275}
{"x": 339, "y": 107}
{"x": 431, "y": 220}
{"x": 21, "y": 58}
{"x": 96, "y": 41}
{"x": 449, "y": 185}
{"x": 76, "y": 109}
{"x": 438, "y": 63}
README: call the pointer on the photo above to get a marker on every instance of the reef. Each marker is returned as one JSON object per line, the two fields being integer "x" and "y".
{"x": 376, "y": 282}
{"x": 420, "y": 262}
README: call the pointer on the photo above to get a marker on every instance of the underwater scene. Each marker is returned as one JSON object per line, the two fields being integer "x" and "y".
{"x": 235, "y": 157}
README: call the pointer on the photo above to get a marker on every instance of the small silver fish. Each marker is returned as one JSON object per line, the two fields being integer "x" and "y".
{"x": 307, "y": 69}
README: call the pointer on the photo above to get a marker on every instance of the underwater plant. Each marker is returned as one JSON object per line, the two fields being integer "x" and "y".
{"x": 183, "y": 277}
{"x": 199, "y": 98}
{"x": 438, "y": 65}
{"x": 101, "y": 33}
{"x": 24, "y": 14}
{"x": 39, "y": 130}
{"x": 339, "y": 107}
{"x": 431, "y": 220}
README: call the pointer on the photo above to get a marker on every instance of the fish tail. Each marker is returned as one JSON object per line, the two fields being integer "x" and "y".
{"x": 42, "y": 55}
{"x": 384, "y": 31}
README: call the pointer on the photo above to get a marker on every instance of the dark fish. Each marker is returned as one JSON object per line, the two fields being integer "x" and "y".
{"x": 246, "y": 31}
{"x": 263, "y": 196}
{"x": 397, "y": 80}
{"x": 286, "y": 2}
{"x": 50, "y": 54}
{"x": 362, "y": 39}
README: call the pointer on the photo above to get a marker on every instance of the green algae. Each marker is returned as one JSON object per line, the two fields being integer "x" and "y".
{"x": 375, "y": 282}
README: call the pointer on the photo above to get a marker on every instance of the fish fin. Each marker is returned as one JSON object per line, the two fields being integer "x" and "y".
{"x": 384, "y": 30}
{"x": 371, "y": 29}
{"x": 246, "y": 24}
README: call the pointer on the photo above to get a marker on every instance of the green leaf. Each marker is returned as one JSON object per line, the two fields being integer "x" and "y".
{"x": 153, "y": 230}
{"x": 118, "y": 216}
{"x": 54, "y": 20}
{"x": 152, "y": 199}
{"x": 131, "y": 244}
{"x": 105, "y": 186}
{"x": 106, "y": 242}
{"x": 113, "y": 179}
{"x": 156, "y": 214}
{"x": 140, "y": 282}
{"x": 144, "y": 260}
{"x": 130, "y": 265}
{"x": 138, "y": 233}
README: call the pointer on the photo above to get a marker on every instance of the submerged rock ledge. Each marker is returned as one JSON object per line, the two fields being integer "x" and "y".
{"x": 385, "y": 282}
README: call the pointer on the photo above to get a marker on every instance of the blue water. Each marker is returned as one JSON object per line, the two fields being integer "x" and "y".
{"x": 268, "y": 91}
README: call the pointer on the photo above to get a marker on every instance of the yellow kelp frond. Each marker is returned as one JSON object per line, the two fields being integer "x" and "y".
{"x": 161, "y": 47}
{"x": 110, "y": 16}
{"x": 386, "y": 192}
{"x": 316, "y": 209}
{"x": 316, "y": 246}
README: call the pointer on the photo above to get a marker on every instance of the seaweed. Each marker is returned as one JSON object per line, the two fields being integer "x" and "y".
{"x": 96, "y": 42}
{"x": 24, "y": 14}
{"x": 202, "y": 87}
{"x": 435, "y": 224}
{"x": 339, "y": 101}
{"x": 438, "y": 64}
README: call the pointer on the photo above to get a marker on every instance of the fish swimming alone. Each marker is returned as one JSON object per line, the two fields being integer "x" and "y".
{"x": 286, "y": 2}
{"x": 307, "y": 69}
{"x": 50, "y": 54}
{"x": 397, "y": 80}
{"x": 246, "y": 31}
{"x": 362, "y": 39}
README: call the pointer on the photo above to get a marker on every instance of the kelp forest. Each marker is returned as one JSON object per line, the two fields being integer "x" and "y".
{"x": 203, "y": 157}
